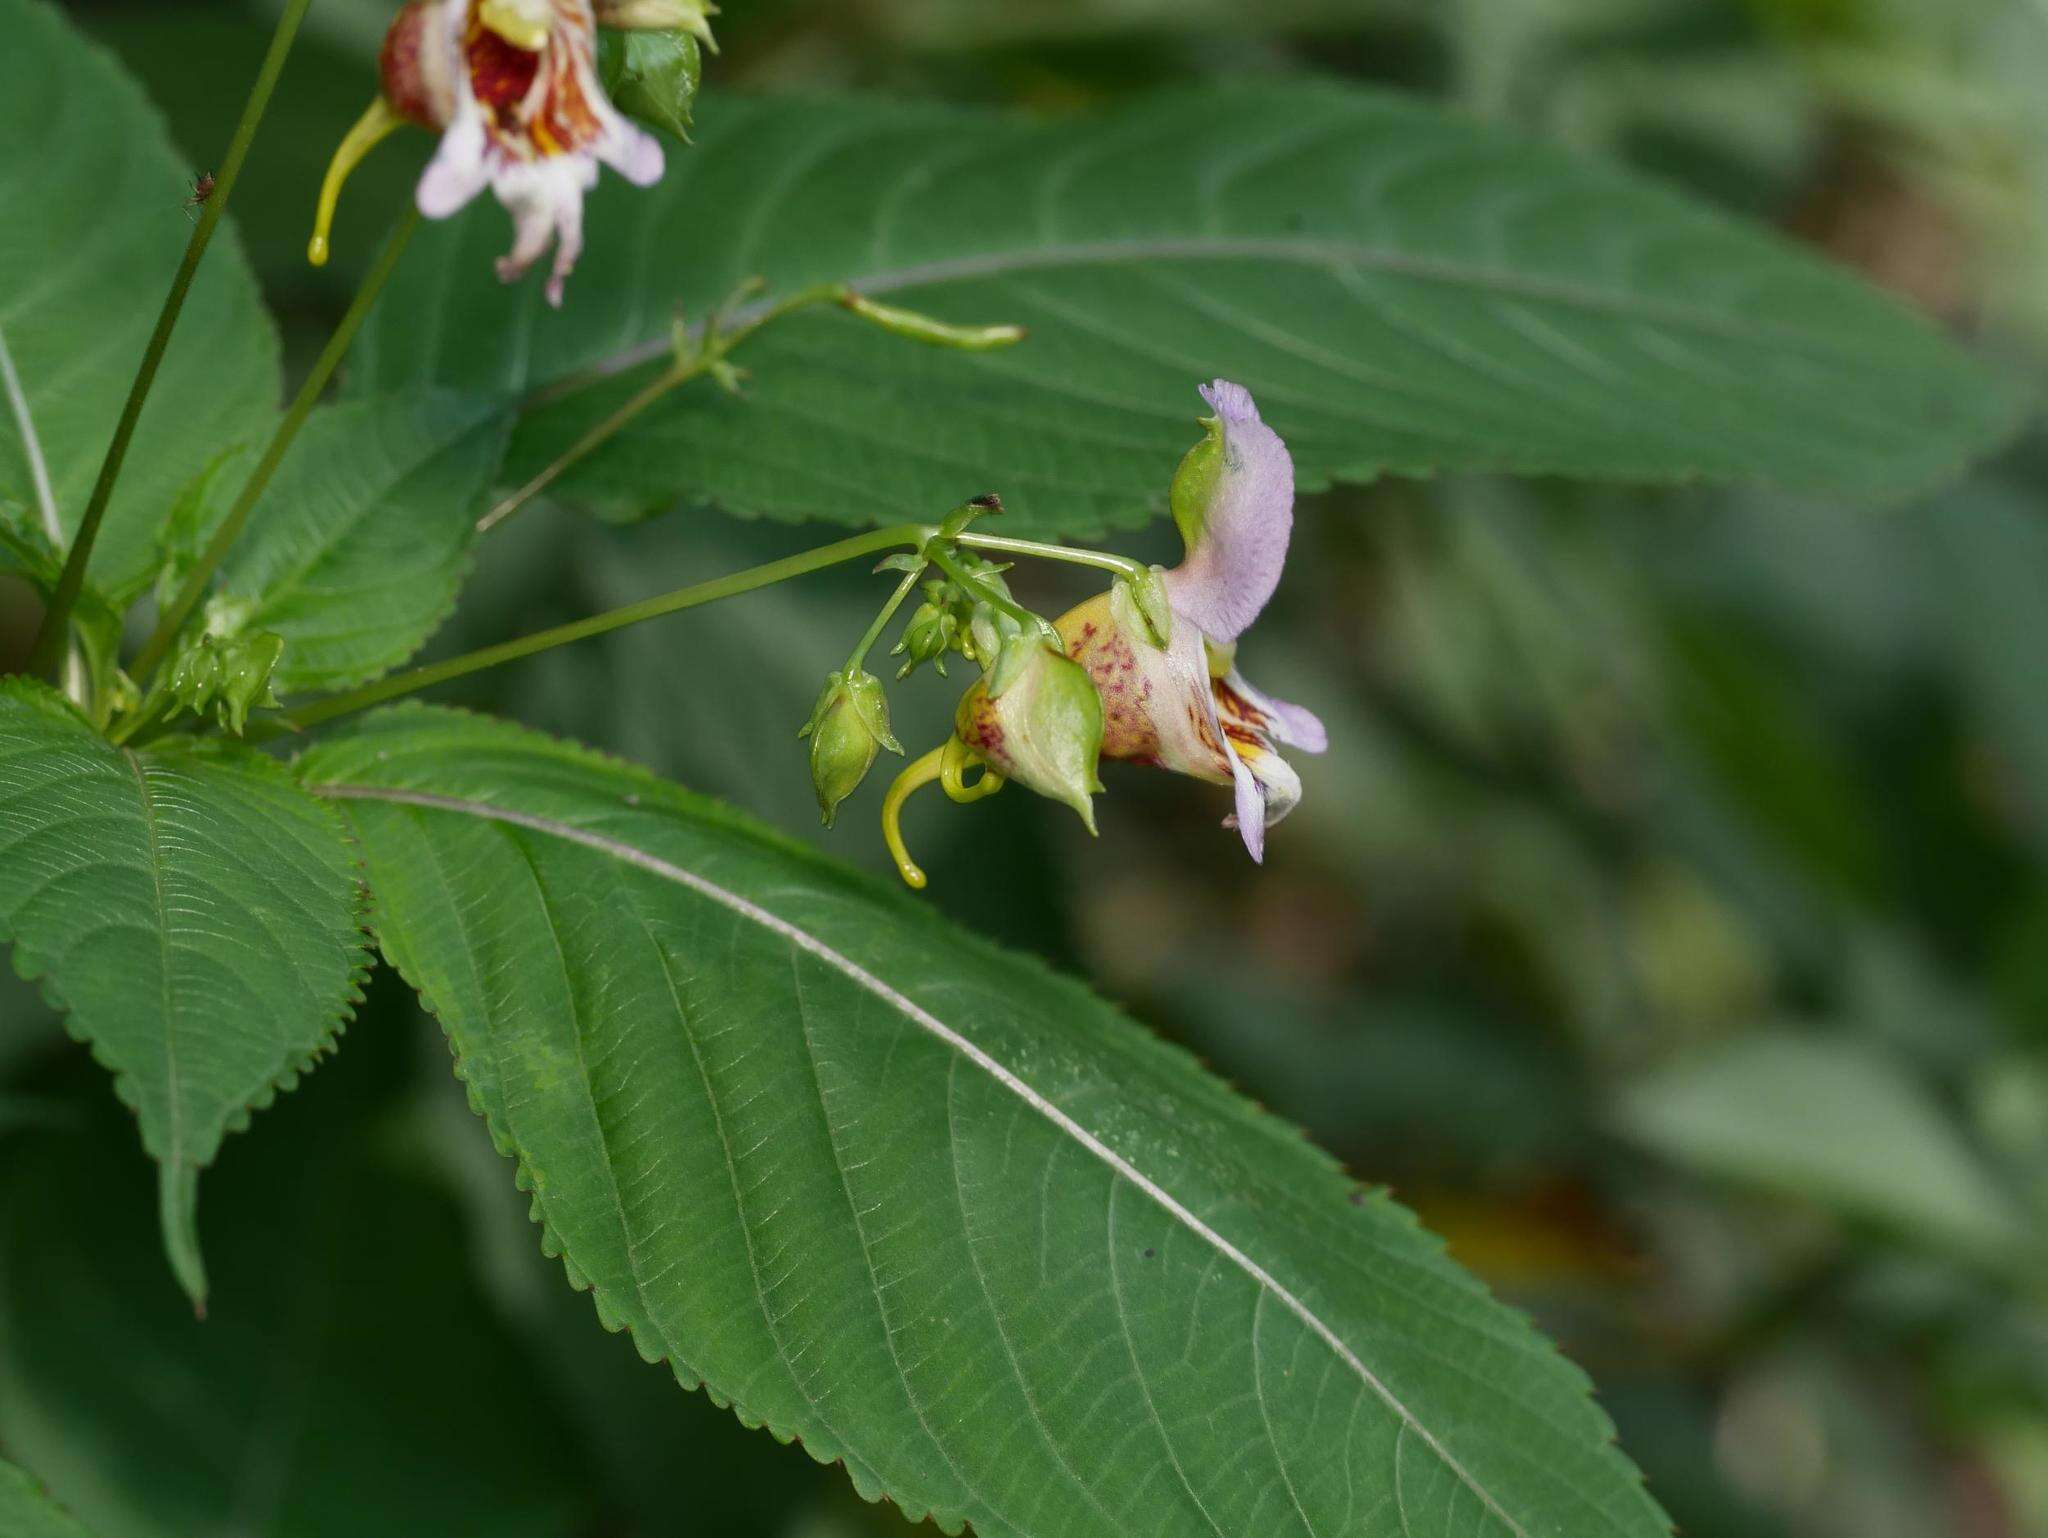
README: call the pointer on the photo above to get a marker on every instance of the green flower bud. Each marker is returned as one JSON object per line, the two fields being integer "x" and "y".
{"x": 931, "y": 633}
{"x": 246, "y": 667}
{"x": 849, "y": 724}
{"x": 194, "y": 677}
{"x": 1042, "y": 727}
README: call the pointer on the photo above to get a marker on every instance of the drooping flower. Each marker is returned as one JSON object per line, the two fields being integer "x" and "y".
{"x": 513, "y": 89}
{"x": 1183, "y": 705}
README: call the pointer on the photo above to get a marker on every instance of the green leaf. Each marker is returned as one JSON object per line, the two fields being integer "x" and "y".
{"x": 192, "y": 911}
{"x": 652, "y": 75}
{"x": 916, "y": 1201}
{"x": 83, "y": 273}
{"x": 1404, "y": 290}
{"x": 1830, "y": 1120}
{"x": 355, "y": 553}
{"x": 26, "y": 1510}
{"x": 348, "y": 1379}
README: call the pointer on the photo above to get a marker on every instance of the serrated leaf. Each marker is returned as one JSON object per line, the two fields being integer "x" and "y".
{"x": 356, "y": 551}
{"x": 1404, "y": 290}
{"x": 939, "y": 1214}
{"x": 26, "y": 1510}
{"x": 191, "y": 910}
{"x": 346, "y": 1333}
{"x": 83, "y": 271}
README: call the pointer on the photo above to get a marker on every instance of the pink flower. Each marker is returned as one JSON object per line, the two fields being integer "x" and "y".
{"x": 513, "y": 89}
{"x": 1184, "y": 706}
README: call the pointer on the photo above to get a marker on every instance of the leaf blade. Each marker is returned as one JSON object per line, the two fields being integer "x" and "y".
{"x": 751, "y": 1116}
{"x": 356, "y": 552}
{"x": 194, "y": 915}
{"x": 27, "y": 1511}
{"x": 1405, "y": 292}
{"x": 81, "y": 280}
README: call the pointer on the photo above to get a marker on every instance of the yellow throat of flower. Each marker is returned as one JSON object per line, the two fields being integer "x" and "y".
{"x": 522, "y": 23}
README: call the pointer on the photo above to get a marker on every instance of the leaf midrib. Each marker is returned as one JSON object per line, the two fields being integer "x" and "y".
{"x": 924, "y": 1020}
{"x": 1321, "y": 254}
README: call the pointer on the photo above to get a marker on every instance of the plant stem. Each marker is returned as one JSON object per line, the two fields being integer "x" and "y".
{"x": 172, "y": 620}
{"x": 910, "y": 534}
{"x": 50, "y": 640}
{"x": 997, "y": 544}
{"x": 713, "y": 346}
{"x": 712, "y": 349}
{"x": 903, "y": 591}
{"x": 667, "y": 380}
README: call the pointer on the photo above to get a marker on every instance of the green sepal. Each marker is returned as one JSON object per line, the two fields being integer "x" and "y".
{"x": 1194, "y": 483}
{"x": 652, "y": 76}
{"x": 1149, "y": 598}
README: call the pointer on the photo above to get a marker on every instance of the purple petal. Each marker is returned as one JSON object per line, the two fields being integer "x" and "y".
{"x": 1234, "y": 566}
{"x": 1287, "y": 724}
{"x": 1251, "y": 809}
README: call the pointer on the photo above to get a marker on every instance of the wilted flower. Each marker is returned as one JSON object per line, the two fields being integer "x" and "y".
{"x": 513, "y": 89}
{"x": 1184, "y": 706}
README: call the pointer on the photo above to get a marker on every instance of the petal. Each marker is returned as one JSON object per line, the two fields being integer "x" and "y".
{"x": 1287, "y": 724}
{"x": 457, "y": 172}
{"x": 1157, "y": 706}
{"x": 632, "y": 152}
{"x": 1239, "y": 530}
{"x": 1250, "y": 817}
{"x": 568, "y": 246}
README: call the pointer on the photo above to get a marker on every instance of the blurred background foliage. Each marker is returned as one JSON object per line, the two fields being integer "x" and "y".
{"x": 1668, "y": 923}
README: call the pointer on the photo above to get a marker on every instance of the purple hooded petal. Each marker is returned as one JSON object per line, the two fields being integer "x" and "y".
{"x": 1234, "y": 563}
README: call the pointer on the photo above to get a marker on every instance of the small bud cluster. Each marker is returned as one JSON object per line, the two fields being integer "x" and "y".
{"x": 228, "y": 674}
{"x": 953, "y": 619}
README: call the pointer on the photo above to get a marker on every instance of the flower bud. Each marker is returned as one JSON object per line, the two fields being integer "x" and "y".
{"x": 848, "y": 725}
{"x": 245, "y": 669}
{"x": 194, "y": 677}
{"x": 1036, "y": 719}
{"x": 931, "y": 633}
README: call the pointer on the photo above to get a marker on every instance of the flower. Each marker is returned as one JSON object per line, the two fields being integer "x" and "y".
{"x": 1183, "y": 705}
{"x": 512, "y": 87}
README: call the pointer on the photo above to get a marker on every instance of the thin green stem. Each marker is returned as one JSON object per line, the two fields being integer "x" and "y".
{"x": 173, "y": 618}
{"x": 972, "y": 585}
{"x": 50, "y": 640}
{"x": 900, "y": 535}
{"x": 997, "y": 544}
{"x": 867, "y": 642}
{"x": 602, "y": 433}
{"x": 712, "y": 349}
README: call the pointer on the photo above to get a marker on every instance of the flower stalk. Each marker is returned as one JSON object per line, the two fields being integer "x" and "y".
{"x": 898, "y": 536}
{"x": 49, "y": 644}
